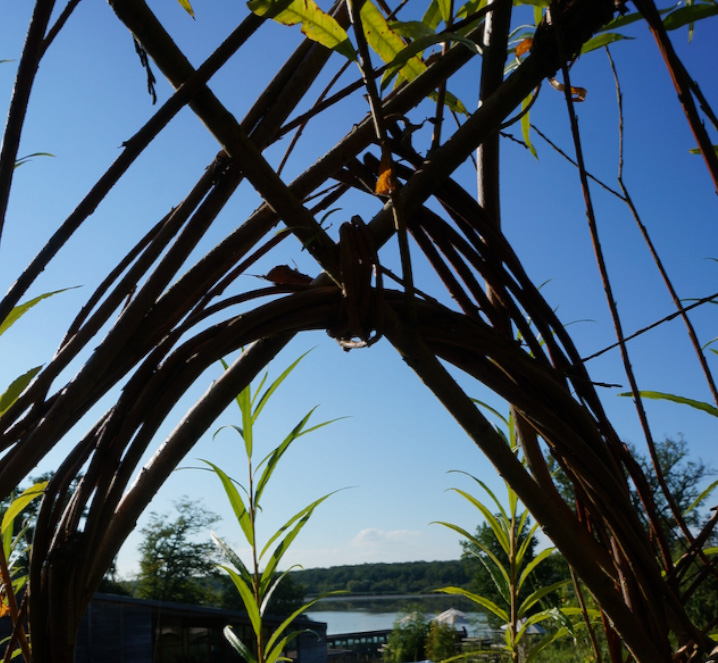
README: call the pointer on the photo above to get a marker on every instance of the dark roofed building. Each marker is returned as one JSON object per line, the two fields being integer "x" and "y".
{"x": 120, "y": 629}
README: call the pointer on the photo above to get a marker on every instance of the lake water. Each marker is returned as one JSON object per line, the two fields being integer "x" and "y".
{"x": 357, "y": 621}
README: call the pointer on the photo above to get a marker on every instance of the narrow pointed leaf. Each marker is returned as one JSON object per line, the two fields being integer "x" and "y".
{"x": 272, "y": 586}
{"x": 697, "y": 150}
{"x": 411, "y": 29}
{"x": 526, "y": 542}
{"x": 479, "y": 600}
{"x": 279, "y": 551}
{"x": 526, "y": 127}
{"x": 499, "y": 531}
{"x": 19, "y": 503}
{"x": 657, "y": 395}
{"x": 488, "y": 490}
{"x": 275, "y": 385}
{"x": 235, "y": 499}
{"x": 432, "y": 16}
{"x": 275, "y": 456}
{"x": 245, "y": 593}
{"x": 525, "y": 574}
{"x": 238, "y": 645}
{"x": 701, "y": 497}
{"x": 536, "y": 596}
{"x": 17, "y": 386}
{"x": 493, "y": 411}
{"x": 187, "y": 7}
{"x": 445, "y": 10}
{"x": 21, "y": 309}
{"x": 275, "y": 653}
{"x": 303, "y": 608}
{"x": 689, "y": 14}
{"x": 292, "y": 520}
{"x": 232, "y": 557}
{"x": 385, "y": 42}
{"x": 417, "y": 46}
{"x": 601, "y": 40}
{"x": 315, "y": 24}
{"x": 545, "y": 642}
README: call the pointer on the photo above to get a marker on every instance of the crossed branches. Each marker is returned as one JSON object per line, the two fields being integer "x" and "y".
{"x": 170, "y": 328}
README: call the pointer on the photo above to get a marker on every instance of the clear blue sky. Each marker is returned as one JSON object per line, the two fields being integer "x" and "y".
{"x": 397, "y": 444}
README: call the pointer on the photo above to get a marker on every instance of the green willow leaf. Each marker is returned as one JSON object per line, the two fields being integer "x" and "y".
{"x": 544, "y": 554}
{"x": 432, "y": 16}
{"x": 315, "y": 24}
{"x": 536, "y": 596}
{"x": 521, "y": 553}
{"x": 19, "y": 503}
{"x": 292, "y": 520}
{"x": 411, "y": 29}
{"x": 187, "y": 7}
{"x": 303, "y": 608}
{"x": 30, "y": 157}
{"x": 245, "y": 593}
{"x": 21, "y": 309}
{"x": 385, "y": 42}
{"x": 276, "y": 455}
{"x": 499, "y": 533}
{"x": 420, "y": 44}
{"x": 549, "y": 639}
{"x": 235, "y": 499}
{"x": 697, "y": 150}
{"x": 701, "y": 497}
{"x": 274, "y": 386}
{"x": 445, "y": 10}
{"x": 657, "y": 395}
{"x": 17, "y": 386}
{"x": 689, "y": 14}
{"x": 479, "y": 600}
{"x": 238, "y": 645}
{"x": 526, "y": 126}
{"x": 469, "y": 8}
{"x": 232, "y": 557}
{"x": 601, "y": 40}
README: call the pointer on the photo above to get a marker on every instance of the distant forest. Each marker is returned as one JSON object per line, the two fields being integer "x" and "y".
{"x": 378, "y": 579}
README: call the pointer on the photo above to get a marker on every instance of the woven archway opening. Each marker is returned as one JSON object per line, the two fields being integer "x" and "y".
{"x": 163, "y": 316}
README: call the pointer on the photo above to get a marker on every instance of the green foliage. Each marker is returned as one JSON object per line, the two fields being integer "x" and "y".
{"x": 172, "y": 565}
{"x": 254, "y": 587}
{"x": 185, "y": 4}
{"x": 657, "y": 395}
{"x": 315, "y": 24}
{"x": 507, "y": 556}
{"x": 13, "y": 570}
{"x": 407, "y": 641}
{"x": 383, "y": 578}
{"x": 19, "y": 384}
{"x": 440, "y": 641}
{"x": 287, "y": 597}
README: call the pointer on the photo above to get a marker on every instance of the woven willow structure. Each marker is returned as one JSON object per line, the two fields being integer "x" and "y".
{"x": 166, "y": 331}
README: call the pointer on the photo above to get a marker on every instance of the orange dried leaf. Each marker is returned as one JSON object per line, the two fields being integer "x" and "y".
{"x": 386, "y": 182}
{"x": 524, "y": 47}
{"x": 578, "y": 93}
{"x": 4, "y": 609}
{"x": 285, "y": 275}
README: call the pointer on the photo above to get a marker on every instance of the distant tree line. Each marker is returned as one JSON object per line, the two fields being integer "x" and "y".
{"x": 383, "y": 578}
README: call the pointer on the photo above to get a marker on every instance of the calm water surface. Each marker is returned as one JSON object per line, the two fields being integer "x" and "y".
{"x": 357, "y": 621}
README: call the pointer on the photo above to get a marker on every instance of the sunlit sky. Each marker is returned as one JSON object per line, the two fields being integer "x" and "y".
{"x": 393, "y": 450}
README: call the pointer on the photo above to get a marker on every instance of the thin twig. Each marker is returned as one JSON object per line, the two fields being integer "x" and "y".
{"x": 710, "y": 299}
{"x": 387, "y": 162}
{"x": 593, "y": 229}
{"x": 651, "y": 247}
{"x": 24, "y": 80}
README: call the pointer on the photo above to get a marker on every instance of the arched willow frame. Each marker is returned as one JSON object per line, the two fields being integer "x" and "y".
{"x": 155, "y": 352}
